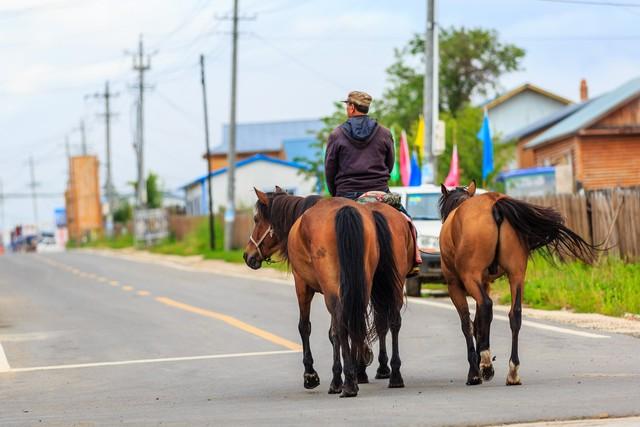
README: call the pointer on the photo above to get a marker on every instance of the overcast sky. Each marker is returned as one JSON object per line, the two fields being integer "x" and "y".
{"x": 296, "y": 58}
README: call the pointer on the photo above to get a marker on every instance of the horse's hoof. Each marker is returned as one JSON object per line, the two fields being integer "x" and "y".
{"x": 382, "y": 373}
{"x": 349, "y": 393}
{"x": 335, "y": 388}
{"x": 311, "y": 380}
{"x": 474, "y": 381}
{"x": 396, "y": 381}
{"x": 487, "y": 372}
{"x": 513, "y": 381}
{"x": 363, "y": 378}
{"x": 367, "y": 358}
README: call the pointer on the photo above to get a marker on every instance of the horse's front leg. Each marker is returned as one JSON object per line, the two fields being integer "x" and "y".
{"x": 305, "y": 295}
{"x": 459, "y": 299}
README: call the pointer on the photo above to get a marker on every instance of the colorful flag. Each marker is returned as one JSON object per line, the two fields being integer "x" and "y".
{"x": 419, "y": 142}
{"x": 405, "y": 160}
{"x": 416, "y": 173}
{"x": 453, "y": 179}
{"x": 395, "y": 172}
{"x": 484, "y": 135}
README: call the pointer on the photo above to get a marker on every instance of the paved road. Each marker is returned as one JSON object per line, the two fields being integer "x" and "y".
{"x": 90, "y": 339}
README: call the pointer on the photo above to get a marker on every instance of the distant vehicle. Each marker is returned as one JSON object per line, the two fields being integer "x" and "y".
{"x": 421, "y": 204}
{"x": 47, "y": 243}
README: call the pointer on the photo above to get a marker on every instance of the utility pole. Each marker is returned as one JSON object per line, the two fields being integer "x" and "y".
{"x": 431, "y": 90}
{"x": 141, "y": 66}
{"x": 33, "y": 186}
{"x": 84, "y": 137}
{"x": 2, "y": 227}
{"x": 108, "y": 186}
{"x": 230, "y": 213}
{"x": 212, "y": 232}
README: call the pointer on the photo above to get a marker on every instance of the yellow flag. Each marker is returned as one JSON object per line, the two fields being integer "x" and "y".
{"x": 419, "y": 142}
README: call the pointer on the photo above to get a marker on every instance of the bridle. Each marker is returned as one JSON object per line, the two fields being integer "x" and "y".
{"x": 268, "y": 232}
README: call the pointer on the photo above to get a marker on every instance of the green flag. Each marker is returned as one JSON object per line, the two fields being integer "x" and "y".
{"x": 395, "y": 173}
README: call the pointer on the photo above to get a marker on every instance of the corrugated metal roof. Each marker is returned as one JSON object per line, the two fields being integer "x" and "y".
{"x": 499, "y": 99}
{"x": 267, "y": 136}
{"x": 252, "y": 159}
{"x": 300, "y": 148}
{"x": 589, "y": 114}
{"x": 546, "y": 121}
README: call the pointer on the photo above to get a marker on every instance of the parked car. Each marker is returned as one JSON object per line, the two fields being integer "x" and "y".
{"x": 47, "y": 243}
{"x": 422, "y": 205}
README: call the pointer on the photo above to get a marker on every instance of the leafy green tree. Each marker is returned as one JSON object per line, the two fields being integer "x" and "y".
{"x": 123, "y": 213}
{"x": 154, "y": 192}
{"x": 471, "y": 62}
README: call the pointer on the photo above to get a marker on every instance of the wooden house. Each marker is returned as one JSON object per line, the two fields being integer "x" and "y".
{"x": 599, "y": 139}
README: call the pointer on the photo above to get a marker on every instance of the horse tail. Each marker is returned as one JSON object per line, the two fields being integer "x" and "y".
{"x": 543, "y": 227}
{"x": 353, "y": 291}
{"x": 386, "y": 293}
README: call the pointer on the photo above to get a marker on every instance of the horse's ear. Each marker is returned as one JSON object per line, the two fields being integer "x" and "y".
{"x": 471, "y": 189}
{"x": 444, "y": 190}
{"x": 279, "y": 190}
{"x": 262, "y": 197}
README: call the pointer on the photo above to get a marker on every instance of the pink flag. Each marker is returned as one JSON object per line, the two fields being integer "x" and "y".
{"x": 453, "y": 179}
{"x": 405, "y": 160}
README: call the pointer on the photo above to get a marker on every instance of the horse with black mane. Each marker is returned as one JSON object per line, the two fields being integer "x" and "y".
{"x": 345, "y": 251}
{"x": 484, "y": 237}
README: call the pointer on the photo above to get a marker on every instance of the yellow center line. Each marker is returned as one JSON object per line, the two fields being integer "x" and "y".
{"x": 143, "y": 293}
{"x": 127, "y": 288}
{"x": 231, "y": 321}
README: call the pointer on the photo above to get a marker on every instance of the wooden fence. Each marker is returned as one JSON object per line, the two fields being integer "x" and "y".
{"x": 608, "y": 217}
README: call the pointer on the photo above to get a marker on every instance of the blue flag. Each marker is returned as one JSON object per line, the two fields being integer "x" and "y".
{"x": 416, "y": 173}
{"x": 484, "y": 135}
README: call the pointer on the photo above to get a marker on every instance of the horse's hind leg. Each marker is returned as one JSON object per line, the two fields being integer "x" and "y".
{"x": 459, "y": 299}
{"x": 395, "y": 320}
{"x": 382, "y": 327}
{"x": 336, "y": 383}
{"x": 305, "y": 295}
{"x": 484, "y": 316}
{"x": 350, "y": 386}
{"x": 515, "y": 321}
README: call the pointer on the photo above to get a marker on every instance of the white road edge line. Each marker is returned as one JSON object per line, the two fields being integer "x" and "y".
{"x": 141, "y": 361}
{"x": 4, "y": 363}
{"x": 528, "y": 323}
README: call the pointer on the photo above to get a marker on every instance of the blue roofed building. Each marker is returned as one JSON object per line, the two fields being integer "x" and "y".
{"x": 284, "y": 140}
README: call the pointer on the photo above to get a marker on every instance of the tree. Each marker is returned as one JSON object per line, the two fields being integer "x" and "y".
{"x": 154, "y": 193}
{"x": 471, "y": 62}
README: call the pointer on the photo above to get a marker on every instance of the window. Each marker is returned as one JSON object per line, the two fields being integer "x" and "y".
{"x": 423, "y": 206}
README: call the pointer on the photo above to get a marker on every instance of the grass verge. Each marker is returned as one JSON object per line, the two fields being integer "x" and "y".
{"x": 611, "y": 287}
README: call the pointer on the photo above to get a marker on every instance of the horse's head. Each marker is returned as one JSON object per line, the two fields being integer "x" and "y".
{"x": 263, "y": 242}
{"x": 451, "y": 199}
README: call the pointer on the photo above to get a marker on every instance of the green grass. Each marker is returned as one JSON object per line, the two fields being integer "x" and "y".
{"x": 124, "y": 241}
{"x": 610, "y": 287}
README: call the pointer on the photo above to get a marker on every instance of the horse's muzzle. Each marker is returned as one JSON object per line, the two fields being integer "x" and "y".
{"x": 252, "y": 261}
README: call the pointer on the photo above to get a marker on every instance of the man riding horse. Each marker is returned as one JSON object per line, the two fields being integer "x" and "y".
{"x": 360, "y": 155}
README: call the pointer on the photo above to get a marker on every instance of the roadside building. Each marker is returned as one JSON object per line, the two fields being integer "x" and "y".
{"x": 284, "y": 140}
{"x": 82, "y": 198}
{"x": 520, "y": 107}
{"x": 259, "y": 171}
{"x": 597, "y": 140}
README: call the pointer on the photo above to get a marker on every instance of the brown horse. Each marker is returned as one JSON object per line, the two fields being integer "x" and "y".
{"x": 484, "y": 237}
{"x": 346, "y": 252}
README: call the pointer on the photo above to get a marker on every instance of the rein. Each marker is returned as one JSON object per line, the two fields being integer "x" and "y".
{"x": 268, "y": 232}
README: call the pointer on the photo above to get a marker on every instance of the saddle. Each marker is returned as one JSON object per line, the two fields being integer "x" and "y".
{"x": 391, "y": 199}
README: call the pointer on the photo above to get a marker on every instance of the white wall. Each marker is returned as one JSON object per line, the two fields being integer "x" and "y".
{"x": 261, "y": 174}
{"x": 520, "y": 111}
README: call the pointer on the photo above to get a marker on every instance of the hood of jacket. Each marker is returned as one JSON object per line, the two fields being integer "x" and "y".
{"x": 360, "y": 129}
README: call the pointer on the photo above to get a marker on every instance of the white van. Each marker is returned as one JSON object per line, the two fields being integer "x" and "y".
{"x": 421, "y": 204}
